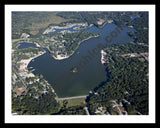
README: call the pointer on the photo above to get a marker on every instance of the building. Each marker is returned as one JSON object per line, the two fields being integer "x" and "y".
{"x": 25, "y": 36}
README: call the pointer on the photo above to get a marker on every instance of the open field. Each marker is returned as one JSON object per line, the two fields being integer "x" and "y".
{"x": 53, "y": 19}
{"x": 19, "y": 91}
{"x": 34, "y": 21}
{"x": 75, "y": 102}
{"x": 72, "y": 101}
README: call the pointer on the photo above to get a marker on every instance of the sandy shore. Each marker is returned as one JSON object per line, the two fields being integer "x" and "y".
{"x": 103, "y": 54}
{"x": 59, "y": 57}
{"x": 24, "y": 63}
{"x": 37, "y": 45}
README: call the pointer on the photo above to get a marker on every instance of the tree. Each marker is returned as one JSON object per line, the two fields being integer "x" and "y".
{"x": 41, "y": 76}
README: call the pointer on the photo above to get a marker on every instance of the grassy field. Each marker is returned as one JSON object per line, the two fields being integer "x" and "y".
{"x": 32, "y": 22}
{"x": 53, "y": 19}
{"x": 74, "y": 102}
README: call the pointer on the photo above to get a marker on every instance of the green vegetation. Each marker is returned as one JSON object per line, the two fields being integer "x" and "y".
{"x": 19, "y": 54}
{"x": 127, "y": 71}
{"x": 73, "y": 102}
{"x": 75, "y": 110}
{"x": 33, "y": 22}
{"x": 127, "y": 80}
{"x": 141, "y": 26}
{"x": 33, "y": 97}
{"x": 126, "y": 67}
{"x": 66, "y": 44}
{"x": 27, "y": 105}
{"x": 39, "y": 99}
{"x": 85, "y": 17}
{"x": 72, "y": 107}
{"x": 73, "y": 40}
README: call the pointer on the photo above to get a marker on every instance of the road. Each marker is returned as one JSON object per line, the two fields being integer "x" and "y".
{"x": 68, "y": 98}
{"x": 120, "y": 113}
{"x": 116, "y": 105}
{"x": 21, "y": 80}
{"x": 86, "y": 109}
{"x": 15, "y": 40}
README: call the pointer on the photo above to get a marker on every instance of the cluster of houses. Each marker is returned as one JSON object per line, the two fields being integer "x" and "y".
{"x": 68, "y": 25}
{"x": 145, "y": 55}
{"x": 101, "y": 21}
{"x": 103, "y": 111}
{"x": 103, "y": 57}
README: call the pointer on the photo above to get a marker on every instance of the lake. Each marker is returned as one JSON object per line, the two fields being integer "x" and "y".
{"x": 26, "y": 45}
{"x": 58, "y": 72}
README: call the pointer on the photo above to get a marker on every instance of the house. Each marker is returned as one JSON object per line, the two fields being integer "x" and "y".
{"x": 120, "y": 104}
{"x": 97, "y": 111}
{"x": 25, "y": 36}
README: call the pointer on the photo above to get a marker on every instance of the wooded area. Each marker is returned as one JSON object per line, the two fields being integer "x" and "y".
{"x": 127, "y": 79}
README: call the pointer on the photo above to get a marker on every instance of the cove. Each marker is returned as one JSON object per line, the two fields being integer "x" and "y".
{"x": 90, "y": 76}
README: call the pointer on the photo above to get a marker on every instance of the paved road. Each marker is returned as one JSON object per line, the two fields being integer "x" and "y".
{"x": 68, "y": 98}
{"x": 86, "y": 109}
{"x": 120, "y": 113}
{"x": 116, "y": 105}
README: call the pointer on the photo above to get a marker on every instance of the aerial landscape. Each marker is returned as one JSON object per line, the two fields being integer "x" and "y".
{"x": 80, "y": 63}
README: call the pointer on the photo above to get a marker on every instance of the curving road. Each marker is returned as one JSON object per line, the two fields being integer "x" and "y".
{"x": 116, "y": 105}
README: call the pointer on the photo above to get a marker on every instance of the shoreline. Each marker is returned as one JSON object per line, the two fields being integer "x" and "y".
{"x": 103, "y": 54}
{"x": 59, "y": 57}
{"x": 24, "y": 63}
{"x": 52, "y": 28}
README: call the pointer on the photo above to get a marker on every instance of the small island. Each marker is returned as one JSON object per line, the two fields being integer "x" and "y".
{"x": 74, "y": 70}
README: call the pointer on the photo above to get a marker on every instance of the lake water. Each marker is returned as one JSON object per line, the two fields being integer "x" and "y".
{"x": 92, "y": 73}
{"x": 26, "y": 45}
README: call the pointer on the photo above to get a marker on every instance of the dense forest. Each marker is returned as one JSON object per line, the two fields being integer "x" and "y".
{"x": 27, "y": 105}
{"x": 84, "y": 17}
{"x": 44, "y": 105}
{"x": 141, "y": 26}
{"x": 127, "y": 79}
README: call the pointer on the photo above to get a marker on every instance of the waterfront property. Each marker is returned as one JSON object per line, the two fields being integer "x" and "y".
{"x": 90, "y": 73}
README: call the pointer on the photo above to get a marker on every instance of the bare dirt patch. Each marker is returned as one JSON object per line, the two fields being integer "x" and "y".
{"x": 19, "y": 91}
